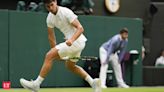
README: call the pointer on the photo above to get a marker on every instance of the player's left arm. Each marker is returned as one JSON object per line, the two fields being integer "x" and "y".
{"x": 122, "y": 52}
{"x": 79, "y": 31}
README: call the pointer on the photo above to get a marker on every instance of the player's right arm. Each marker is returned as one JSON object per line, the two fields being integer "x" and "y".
{"x": 51, "y": 33}
{"x": 51, "y": 37}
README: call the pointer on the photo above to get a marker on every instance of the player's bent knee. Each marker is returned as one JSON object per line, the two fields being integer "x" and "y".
{"x": 52, "y": 54}
{"x": 48, "y": 56}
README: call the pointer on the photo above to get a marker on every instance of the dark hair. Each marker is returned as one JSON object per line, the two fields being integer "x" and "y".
{"x": 160, "y": 53}
{"x": 162, "y": 50}
{"x": 48, "y": 1}
{"x": 124, "y": 30}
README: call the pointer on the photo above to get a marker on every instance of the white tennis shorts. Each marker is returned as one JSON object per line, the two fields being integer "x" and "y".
{"x": 71, "y": 51}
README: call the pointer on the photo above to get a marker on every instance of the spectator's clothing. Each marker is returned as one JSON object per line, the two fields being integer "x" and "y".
{"x": 160, "y": 61}
{"x": 108, "y": 53}
{"x": 115, "y": 44}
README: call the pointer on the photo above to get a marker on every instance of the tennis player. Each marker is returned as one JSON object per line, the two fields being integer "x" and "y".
{"x": 68, "y": 23}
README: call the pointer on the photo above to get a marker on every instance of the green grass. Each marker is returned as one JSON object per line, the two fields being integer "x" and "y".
{"x": 139, "y": 89}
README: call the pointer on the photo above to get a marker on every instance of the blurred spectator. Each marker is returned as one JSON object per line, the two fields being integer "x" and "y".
{"x": 143, "y": 52}
{"x": 66, "y": 3}
{"x": 32, "y": 6}
{"x": 21, "y": 6}
{"x": 160, "y": 59}
{"x": 41, "y": 7}
{"x": 79, "y": 6}
{"x": 88, "y": 4}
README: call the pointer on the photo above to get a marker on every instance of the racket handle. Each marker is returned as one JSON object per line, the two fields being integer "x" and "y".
{"x": 65, "y": 58}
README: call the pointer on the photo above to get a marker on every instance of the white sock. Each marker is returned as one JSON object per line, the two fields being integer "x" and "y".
{"x": 89, "y": 80}
{"x": 39, "y": 80}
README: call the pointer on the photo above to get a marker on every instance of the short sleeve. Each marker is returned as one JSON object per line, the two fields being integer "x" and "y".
{"x": 49, "y": 21}
{"x": 70, "y": 15}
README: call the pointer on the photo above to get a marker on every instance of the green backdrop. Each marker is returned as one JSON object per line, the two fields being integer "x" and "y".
{"x": 4, "y": 62}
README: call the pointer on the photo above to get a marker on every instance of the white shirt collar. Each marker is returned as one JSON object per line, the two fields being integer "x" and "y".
{"x": 58, "y": 11}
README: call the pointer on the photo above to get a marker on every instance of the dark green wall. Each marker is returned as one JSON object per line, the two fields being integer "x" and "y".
{"x": 28, "y": 43}
{"x": 4, "y": 68}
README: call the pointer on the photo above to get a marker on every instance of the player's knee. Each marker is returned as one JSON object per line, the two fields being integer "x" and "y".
{"x": 49, "y": 56}
{"x": 52, "y": 54}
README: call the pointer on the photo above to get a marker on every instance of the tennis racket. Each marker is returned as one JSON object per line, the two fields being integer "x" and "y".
{"x": 84, "y": 58}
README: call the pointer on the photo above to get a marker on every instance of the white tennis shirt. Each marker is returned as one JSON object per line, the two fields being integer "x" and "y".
{"x": 62, "y": 20}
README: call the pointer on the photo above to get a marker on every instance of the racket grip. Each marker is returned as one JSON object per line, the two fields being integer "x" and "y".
{"x": 65, "y": 58}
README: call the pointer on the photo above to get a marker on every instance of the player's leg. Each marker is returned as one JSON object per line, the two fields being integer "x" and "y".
{"x": 95, "y": 83}
{"x": 71, "y": 64}
{"x": 47, "y": 65}
{"x": 79, "y": 71}
{"x": 75, "y": 51}
{"x": 117, "y": 71}
{"x": 48, "y": 62}
{"x": 103, "y": 68}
